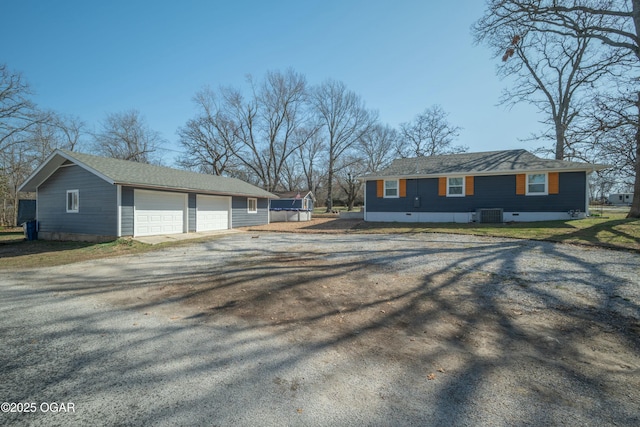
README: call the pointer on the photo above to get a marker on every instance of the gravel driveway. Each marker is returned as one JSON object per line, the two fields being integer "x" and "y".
{"x": 291, "y": 329}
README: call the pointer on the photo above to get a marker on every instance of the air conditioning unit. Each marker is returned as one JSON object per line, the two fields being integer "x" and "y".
{"x": 493, "y": 216}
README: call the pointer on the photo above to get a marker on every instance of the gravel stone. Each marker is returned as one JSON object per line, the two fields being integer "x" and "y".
{"x": 65, "y": 339}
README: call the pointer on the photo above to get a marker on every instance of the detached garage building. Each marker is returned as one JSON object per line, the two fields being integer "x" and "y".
{"x": 85, "y": 197}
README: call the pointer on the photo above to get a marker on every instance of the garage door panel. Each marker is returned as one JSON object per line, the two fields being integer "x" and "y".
{"x": 213, "y": 213}
{"x": 158, "y": 212}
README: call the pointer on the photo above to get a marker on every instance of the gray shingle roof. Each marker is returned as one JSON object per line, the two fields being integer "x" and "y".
{"x": 151, "y": 176}
{"x": 490, "y": 162}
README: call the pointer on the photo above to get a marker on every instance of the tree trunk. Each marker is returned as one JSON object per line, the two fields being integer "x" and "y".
{"x": 634, "y": 212}
{"x": 559, "y": 139}
{"x": 16, "y": 202}
{"x": 330, "y": 187}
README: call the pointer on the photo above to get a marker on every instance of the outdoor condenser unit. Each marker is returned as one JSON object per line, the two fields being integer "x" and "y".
{"x": 489, "y": 215}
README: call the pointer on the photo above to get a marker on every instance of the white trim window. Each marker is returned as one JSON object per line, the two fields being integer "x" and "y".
{"x": 391, "y": 189}
{"x": 455, "y": 186}
{"x": 537, "y": 184}
{"x": 252, "y": 205}
{"x": 73, "y": 201}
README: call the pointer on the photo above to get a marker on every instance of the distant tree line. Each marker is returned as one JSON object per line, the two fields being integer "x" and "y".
{"x": 279, "y": 133}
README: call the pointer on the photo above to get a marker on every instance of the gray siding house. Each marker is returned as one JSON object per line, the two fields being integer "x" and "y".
{"x": 85, "y": 197}
{"x": 496, "y": 186}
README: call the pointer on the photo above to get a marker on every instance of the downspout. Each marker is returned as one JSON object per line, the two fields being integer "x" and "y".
{"x": 365, "y": 200}
{"x": 37, "y": 210}
{"x": 586, "y": 192}
{"x": 119, "y": 209}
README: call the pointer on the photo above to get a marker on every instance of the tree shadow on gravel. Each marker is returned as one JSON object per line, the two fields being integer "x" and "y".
{"x": 428, "y": 330}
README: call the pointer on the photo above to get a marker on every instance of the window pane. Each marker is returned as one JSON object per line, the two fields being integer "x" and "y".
{"x": 537, "y": 183}
{"x": 391, "y": 188}
{"x": 536, "y": 188}
{"x": 455, "y": 186}
{"x": 72, "y": 201}
{"x": 536, "y": 179}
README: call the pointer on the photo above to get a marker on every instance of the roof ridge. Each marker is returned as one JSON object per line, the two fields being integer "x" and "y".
{"x": 128, "y": 172}
{"x": 484, "y": 162}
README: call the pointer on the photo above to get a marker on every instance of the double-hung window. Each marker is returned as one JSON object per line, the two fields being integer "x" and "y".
{"x": 391, "y": 188}
{"x": 252, "y": 205}
{"x": 455, "y": 186}
{"x": 537, "y": 184}
{"x": 73, "y": 201}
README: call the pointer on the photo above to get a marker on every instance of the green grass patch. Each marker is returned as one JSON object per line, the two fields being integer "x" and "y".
{"x": 11, "y": 234}
{"x": 612, "y": 231}
{"x": 18, "y": 254}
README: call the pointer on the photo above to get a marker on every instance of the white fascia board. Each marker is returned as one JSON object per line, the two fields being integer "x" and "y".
{"x": 40, "y": 169}
{"x": 49, "y": 161}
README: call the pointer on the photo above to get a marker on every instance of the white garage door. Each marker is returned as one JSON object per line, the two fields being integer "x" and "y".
{"x": 158, "y": 212}
{"x": 213, "y": 213}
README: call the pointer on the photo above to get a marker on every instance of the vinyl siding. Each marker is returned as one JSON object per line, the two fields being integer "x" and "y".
{"x": 489, "y": 192}
{"x": 126, "y": 211}
{"x": 97, "y": 213}
{"x": 192, "y": 214}
{"x": 241, "y": 218}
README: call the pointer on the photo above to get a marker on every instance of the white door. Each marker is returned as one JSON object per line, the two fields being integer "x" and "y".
{"x": 159, "y": 212}
{"x": 213, "y": 212}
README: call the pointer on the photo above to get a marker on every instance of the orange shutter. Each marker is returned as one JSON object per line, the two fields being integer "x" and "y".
{"x": 554, "y": 183}
{"x": 468, "y": 187}
{"x": 521, "y": 184}
{"x": 380, "y": 184}
{"x": 442, "y": 186}
{"x": 403, "y": 188}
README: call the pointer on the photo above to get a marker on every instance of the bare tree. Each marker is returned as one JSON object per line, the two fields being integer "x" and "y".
{"x": 210, "y": 138}
{"x": 284, "y": 121}
{"x": 429, "y": 134}
{"x": 611, "y": 135}
{"x": 126, "y": 136}
{"x": 375, "y": 149}
{"x": 71, "y": 129}
{"x": 350, "y": 167}
{"x": 312, "y": 158}
{"x": 378, "y": 147}
{"x": 614, "y": 23}
{"x": 259, "y": 131}
{"x": 345, "y": 120}
{"x": 17, "y": 111}
{"x": 549, "y": 70}
{"x": 19, "y": 120}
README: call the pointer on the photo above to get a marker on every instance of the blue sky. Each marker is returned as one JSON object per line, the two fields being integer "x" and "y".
{"x": 89, "y": 58}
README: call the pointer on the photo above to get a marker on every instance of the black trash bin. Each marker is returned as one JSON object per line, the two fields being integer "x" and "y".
{"x": 31, "y": 230}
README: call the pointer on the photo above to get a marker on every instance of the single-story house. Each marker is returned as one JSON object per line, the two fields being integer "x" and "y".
{"x": 291, "y": 206}
{"x": 85, "y": 197}
{"x": 495, "y": 186}
{"x": 620, "y": 199}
